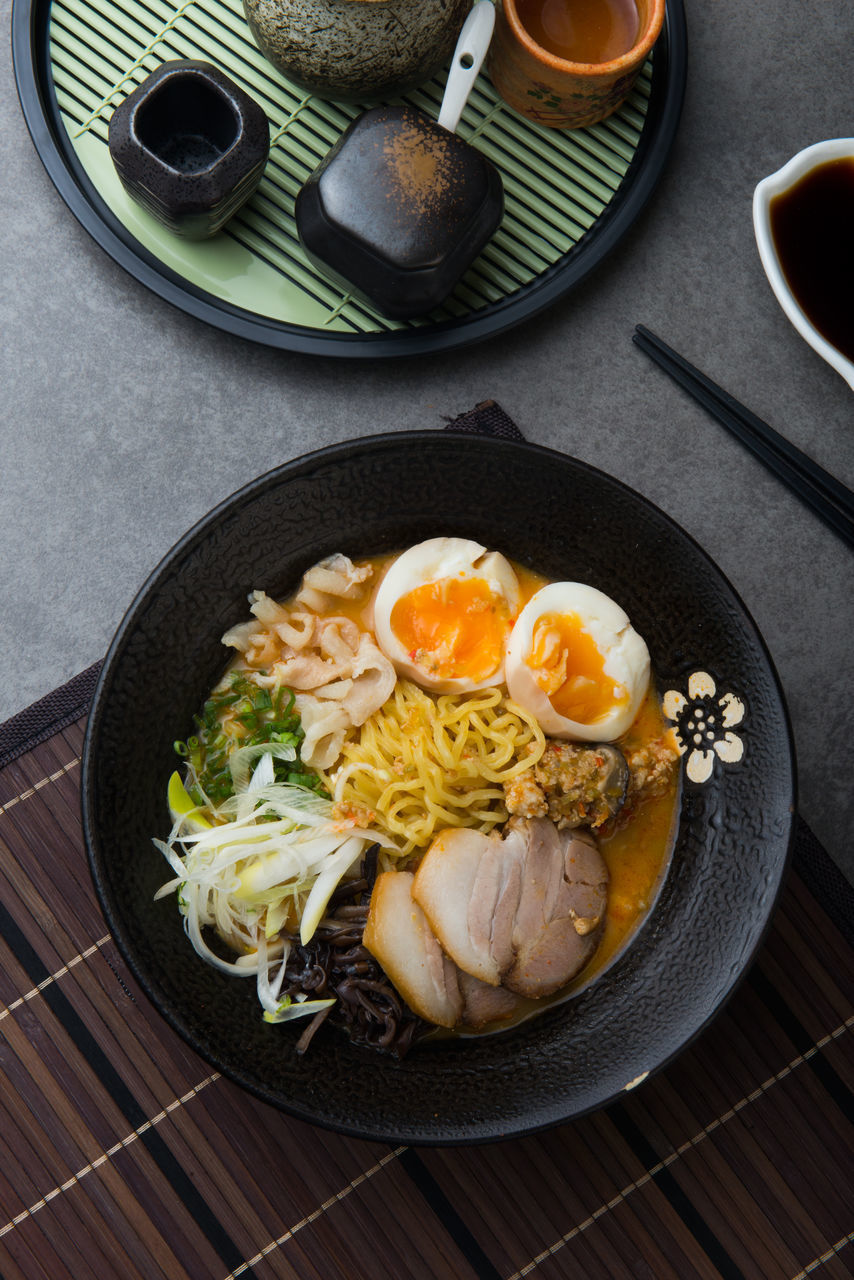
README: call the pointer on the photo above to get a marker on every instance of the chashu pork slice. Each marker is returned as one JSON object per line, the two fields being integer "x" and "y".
{"x": 400, "y": 939}
{"x": 561, "y": 911}
{"x": 484, "y": 1005}
{"x": 524, "y": 910}
{"x": 468, "y": 885}
{"x": 398, "y": 936}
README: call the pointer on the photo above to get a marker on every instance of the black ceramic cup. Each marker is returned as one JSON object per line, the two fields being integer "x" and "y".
{"x": 189, "y": 146}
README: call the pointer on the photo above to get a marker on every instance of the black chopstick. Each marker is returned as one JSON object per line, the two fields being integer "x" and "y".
{"x": 815, "y": 487}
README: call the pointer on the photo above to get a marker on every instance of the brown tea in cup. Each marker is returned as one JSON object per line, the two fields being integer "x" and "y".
{"x": 581, "y": 31}
{"x": 570, "y": 63}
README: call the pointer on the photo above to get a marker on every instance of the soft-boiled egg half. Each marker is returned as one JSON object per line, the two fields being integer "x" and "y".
{"x": 576, "y": 663}
{"x": 443, "y": 613}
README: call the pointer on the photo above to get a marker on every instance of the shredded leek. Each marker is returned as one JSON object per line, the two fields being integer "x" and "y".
{"x": 255, "y": 849}
{"x": 260, "y": 870}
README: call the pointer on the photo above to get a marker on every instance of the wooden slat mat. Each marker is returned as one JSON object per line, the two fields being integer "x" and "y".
{"x": 122, "y": 1155}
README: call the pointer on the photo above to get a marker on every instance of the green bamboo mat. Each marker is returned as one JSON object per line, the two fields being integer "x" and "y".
{"x": 557, "y": 183}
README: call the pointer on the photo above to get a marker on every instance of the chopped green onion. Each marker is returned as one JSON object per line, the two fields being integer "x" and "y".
{"x": 255, "y": 715}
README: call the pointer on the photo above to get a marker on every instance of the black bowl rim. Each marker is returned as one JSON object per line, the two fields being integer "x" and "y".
{"x": 302, "y": 464}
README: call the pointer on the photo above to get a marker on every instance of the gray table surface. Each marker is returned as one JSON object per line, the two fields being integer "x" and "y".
{"x": 124, "y": 420}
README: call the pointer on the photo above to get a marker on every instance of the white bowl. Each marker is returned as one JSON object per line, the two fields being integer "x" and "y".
{"x": 774, "y": 185}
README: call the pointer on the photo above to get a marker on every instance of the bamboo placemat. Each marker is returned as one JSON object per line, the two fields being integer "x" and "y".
{"x": 123, "y": 1155}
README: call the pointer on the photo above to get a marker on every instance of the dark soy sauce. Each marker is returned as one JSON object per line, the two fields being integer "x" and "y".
{"x": 813, "y": 229}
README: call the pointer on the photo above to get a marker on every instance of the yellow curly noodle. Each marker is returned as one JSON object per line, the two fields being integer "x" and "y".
{"x": 426, "y": 762}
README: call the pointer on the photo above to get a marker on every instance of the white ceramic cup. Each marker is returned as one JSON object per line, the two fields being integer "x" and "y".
{"x": 798, "y": 167}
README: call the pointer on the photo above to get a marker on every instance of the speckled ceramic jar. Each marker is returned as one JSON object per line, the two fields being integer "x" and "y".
{"x": 357, "y": 50}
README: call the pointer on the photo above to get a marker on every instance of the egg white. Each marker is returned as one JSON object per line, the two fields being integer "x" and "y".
{"x": 437, "y": 560}
{"x": 626, "y": 660}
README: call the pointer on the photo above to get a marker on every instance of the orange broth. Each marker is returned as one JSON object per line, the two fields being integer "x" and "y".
{"x": 637, "y": 854}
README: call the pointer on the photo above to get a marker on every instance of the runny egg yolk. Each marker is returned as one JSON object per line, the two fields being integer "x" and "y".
{"x": 454, "y": 628}
{"x": 569, "y": 668}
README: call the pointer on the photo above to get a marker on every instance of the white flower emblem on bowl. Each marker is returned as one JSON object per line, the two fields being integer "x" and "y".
{"x": 704, "y": 724}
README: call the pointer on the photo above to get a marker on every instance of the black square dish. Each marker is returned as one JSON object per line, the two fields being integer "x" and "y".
{"x": 398, "y": 210}
{"x": 190, "y": 146}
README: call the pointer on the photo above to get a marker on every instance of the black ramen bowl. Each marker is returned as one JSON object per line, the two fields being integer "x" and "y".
{"x": 568, "y": 521}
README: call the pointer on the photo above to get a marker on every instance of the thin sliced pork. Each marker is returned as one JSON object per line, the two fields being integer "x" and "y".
{"x": 398, "y": 936}
{"x": 524, "y": 911}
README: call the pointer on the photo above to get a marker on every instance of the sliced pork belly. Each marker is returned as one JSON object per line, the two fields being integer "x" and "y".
{"x": 469, "y": 886}
{"x": 398, "y": 936}
{"x": 524, "y": 910}
{"x": 558, "y": 923}
{"x": 484, "y": 1005}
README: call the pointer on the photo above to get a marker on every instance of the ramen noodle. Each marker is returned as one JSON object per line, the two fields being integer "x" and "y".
{"x": 422, "y": 763}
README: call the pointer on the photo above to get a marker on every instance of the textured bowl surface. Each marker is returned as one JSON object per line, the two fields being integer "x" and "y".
{"x": 570, "y": 522}
{"x": 357, "y": 50}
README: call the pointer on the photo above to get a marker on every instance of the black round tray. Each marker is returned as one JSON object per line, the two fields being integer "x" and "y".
{"x": 36, "y": 90}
